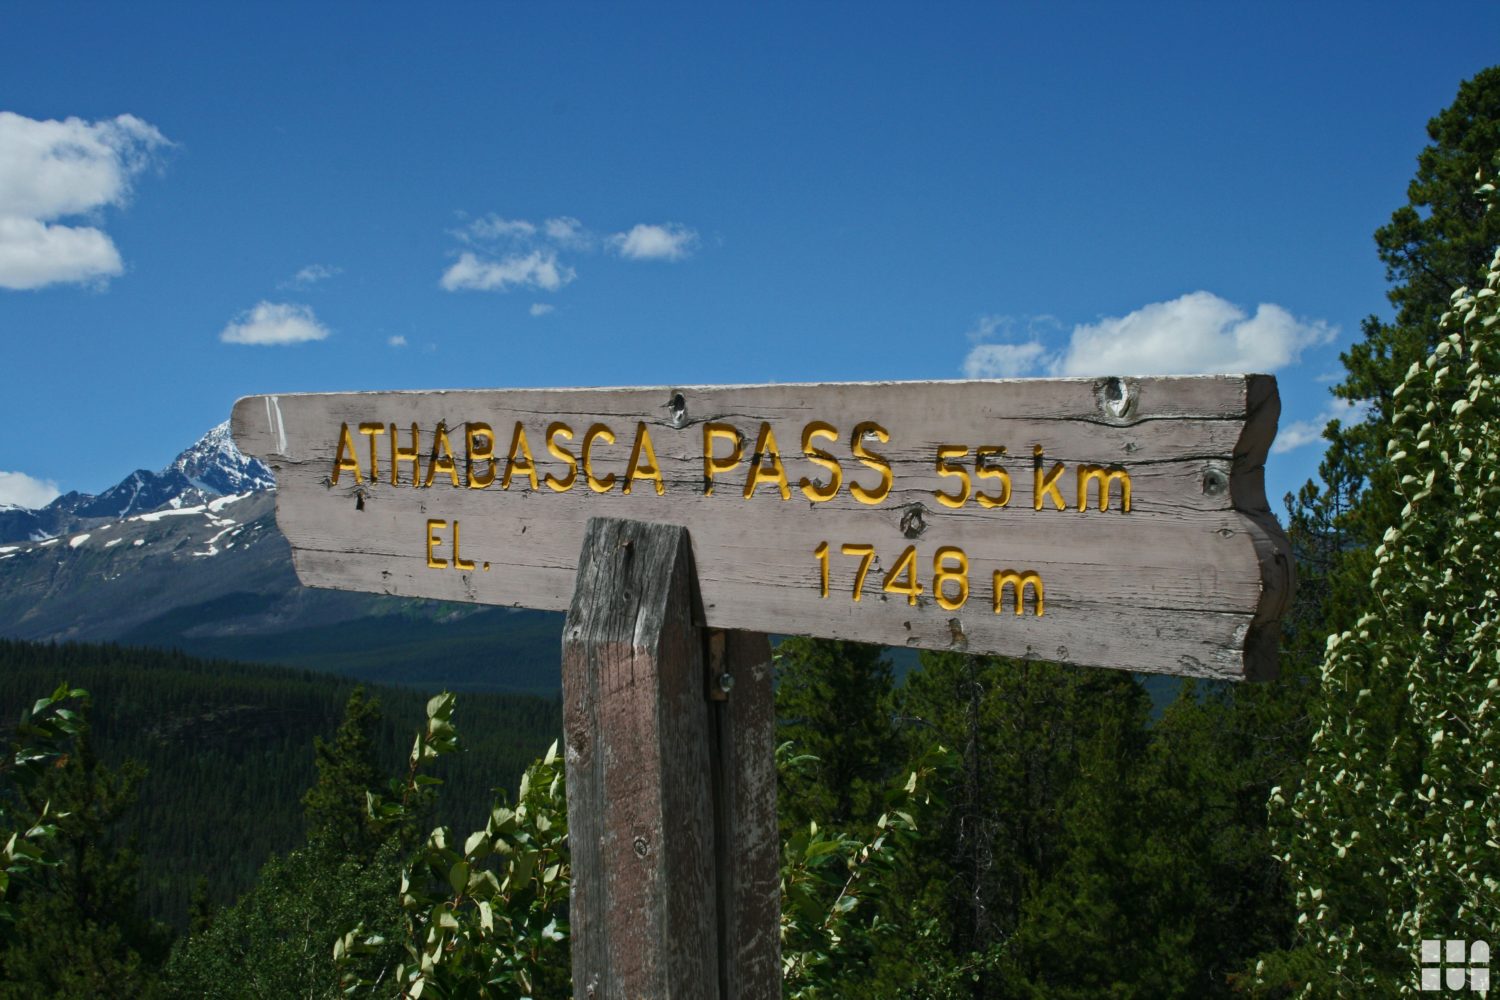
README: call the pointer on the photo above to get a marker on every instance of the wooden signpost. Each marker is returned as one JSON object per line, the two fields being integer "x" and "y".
{"x": 1114, "y": 522}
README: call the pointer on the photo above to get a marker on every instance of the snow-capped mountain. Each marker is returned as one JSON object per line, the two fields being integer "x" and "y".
{"x": 214, "y": 465}
{"x": 211, "y": 468}
{"x": 190, "y": 558}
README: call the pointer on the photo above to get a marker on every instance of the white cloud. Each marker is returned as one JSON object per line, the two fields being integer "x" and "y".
{"x": 1196, "y": 334}
{"x": 55, "y": 169}
{"x": 516, "y": 253}
{"x": 568, "y": 232}
{"x": 1300, "y": 433}
{"x": 1003, "y": 360}
{"x": 540, "y": 309}
{"x": 314, "y": 273}
{"x": 493, "y": 227}
{"x": 23, "y": 491}
{"x": 647, "y": 242}
{"x": 396, "y": 341}
{"x": 538, "y": 269}
{"x": 34, "y": 254}
{"x": 275, "y": 323}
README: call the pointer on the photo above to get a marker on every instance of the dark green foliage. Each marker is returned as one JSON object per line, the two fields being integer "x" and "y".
{"x": 347, "y": 772}
{"x": 834, "y": 702}
{"x": 1020, "y": 730}
{"x": 485, "y": 916}
{"x": 1437, "y": 242}
{"x": 44, "y": 739}
{"x": 78, "y": 931}
{"x": 1353, "y": 913}
{"x": 228, "y": 752}
{"x": 1075, "y": 847}
{"x": 277, "y": 940}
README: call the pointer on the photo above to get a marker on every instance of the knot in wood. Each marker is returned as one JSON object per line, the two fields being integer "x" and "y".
{"x": 913, "y": 521}
{"x": 1117, "y": 398}
{"x": 677, "y": 410}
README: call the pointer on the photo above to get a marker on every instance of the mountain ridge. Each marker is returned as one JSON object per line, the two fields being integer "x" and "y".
{"x": 211, "y": 467}
{"x": 190, "y": 558}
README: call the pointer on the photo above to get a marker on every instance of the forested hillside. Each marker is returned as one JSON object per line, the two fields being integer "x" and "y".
{"x": 227, "y": 752}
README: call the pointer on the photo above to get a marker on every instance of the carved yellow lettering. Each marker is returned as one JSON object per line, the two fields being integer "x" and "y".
{"x": 712, "y": 464}
{"x": 813, "y": 491}
{"x": 554, "y": 431}
{"x": 433, "y": 541}
{"x": 866, "y": 555}
{"x": 982, "y": 471}
{"x": 950, "y": 563}
{"x": 1019, "y": 581}
{"x": 1045, "y": 483}
{"x": 766, "y": 448}
{"x": 345, "y": 460}
{"x": 373, "y": 431}
{"x": 945, "y": 467}
{"x": 412, "y": 455}
{"x": 597, "y": 484}
{"x": 905, "y": 566}
{"x": 874, "y": 461}
{"x": 1106, "y": 477}
{"x": 643, "y": 463}
{"x": 519, "y": 459}
{"x": 459, "y": 562}
{"x": 441, "y": 459}
{"x": 479, "y": 446}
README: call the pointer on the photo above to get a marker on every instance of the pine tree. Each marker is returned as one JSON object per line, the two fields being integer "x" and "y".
{"x": 1389, "y": 837}
{"x": 1440, "y": 240}
{"x": 1032, "y": 741}
{"x": 78, "y": 930}
{"x": 347, "y": 772}
{"x": 834, "y": 703}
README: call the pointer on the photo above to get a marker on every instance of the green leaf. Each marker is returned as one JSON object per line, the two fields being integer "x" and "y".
{"x": 458, "y": 877}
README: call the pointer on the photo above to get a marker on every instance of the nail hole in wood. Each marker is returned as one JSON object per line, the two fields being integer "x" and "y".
{"x": 677, "y": 410}
{"x": 1215, "y": 481}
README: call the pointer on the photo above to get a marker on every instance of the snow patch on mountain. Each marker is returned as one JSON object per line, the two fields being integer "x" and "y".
{"x": 211, "y": 469}
{"x": 216, "y": 465}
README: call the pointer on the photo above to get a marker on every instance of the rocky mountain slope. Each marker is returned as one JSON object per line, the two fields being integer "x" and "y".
{"x": 190, "y": 558}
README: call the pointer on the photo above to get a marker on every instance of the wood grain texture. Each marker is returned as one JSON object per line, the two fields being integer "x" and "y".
{"x": 643, "y": 910}
{"x": 748, "y": 840}
{"x": 1191, "y": 581}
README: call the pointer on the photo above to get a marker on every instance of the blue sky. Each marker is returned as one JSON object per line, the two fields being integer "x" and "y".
{"x": 199, "y": 203}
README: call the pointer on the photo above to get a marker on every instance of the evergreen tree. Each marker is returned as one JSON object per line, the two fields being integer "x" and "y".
{"x": 277, "y": 939}
{"x": 1389, "y": 836}
{"x": 78, "y": 930}
{"x": 1437, "y": 242}
{"x": 347, "y": 772}
{"x": 1040, "y": 747}
{"x": 834, "y": 703}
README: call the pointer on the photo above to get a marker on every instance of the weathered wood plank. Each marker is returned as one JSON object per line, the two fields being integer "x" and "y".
{"x": 640, "y": 799}
{"x": 1189, "y": 581}
{"x": 748, "y": 855}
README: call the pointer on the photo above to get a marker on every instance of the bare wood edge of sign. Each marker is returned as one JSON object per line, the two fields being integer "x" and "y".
{"x": 1248, "y": 494}
{"x": 263, "y": 433}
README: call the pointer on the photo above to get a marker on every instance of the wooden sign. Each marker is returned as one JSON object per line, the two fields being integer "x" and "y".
{"x": 1116, "y": 522}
